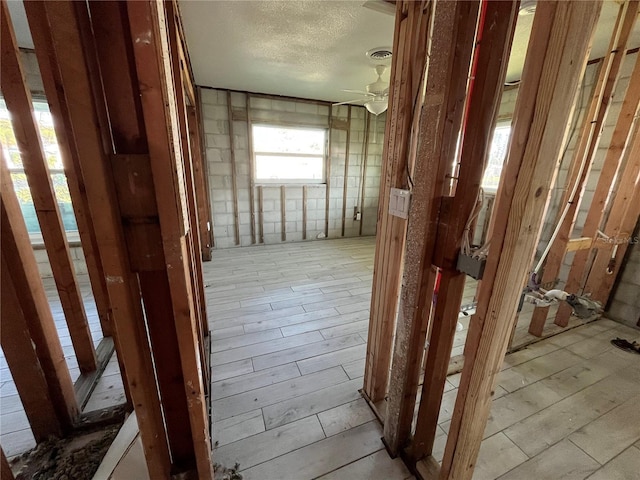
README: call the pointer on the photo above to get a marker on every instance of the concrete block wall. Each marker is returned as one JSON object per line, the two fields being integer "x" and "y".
{"x": 291, "y": 112}
{"x": 624, "y": 305}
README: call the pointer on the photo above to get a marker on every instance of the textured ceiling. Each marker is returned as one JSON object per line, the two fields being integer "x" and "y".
{"x": 304, "y": 48}
{"x": 311, "y": 48}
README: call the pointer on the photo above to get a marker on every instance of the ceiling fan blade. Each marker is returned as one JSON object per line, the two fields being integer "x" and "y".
{"x": 350, "y": 101}
{"x": 359, "y": 92}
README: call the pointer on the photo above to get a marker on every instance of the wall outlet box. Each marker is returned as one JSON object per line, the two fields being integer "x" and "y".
{"x": 474, "y": 267}
{"x": 358, "y": 217}
{"x": 399, "y": 203}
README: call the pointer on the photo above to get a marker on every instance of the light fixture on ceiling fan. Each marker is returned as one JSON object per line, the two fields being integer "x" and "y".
{"x": 376, "y": 97}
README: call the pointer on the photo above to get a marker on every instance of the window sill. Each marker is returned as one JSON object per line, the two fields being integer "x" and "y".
{"x": 37, "y": 242}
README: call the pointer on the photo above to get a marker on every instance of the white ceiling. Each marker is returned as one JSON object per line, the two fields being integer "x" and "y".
{"x": 304, "y": 48}
{"x": 312, "y": 48}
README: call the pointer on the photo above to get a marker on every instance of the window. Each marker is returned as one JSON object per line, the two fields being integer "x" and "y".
{"x": 497, "y": 155}
{"x": 54, "y": 162}
{"x": 288, "y": 155}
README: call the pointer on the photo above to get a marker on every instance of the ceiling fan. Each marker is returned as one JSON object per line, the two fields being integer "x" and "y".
{"x": 376, "y": 97}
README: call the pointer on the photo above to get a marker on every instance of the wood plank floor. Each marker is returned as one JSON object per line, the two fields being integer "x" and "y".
{"x": 288, "y": 341}
{"x": 15, "y": 433}
{"x": 288, "y": 327}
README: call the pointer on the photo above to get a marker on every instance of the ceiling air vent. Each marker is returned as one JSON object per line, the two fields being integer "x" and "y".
{"x": 380, "y": 54}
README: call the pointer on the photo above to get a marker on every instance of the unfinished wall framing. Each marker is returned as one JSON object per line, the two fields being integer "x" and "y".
{"x": 536, "y": 169}
{"x": 234, "y": 190}
{"x": 130, "y": 138}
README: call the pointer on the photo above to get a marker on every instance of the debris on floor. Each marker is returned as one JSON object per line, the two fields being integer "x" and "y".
{"x": 626, "y": 345}
{"x": 74, "y": 458}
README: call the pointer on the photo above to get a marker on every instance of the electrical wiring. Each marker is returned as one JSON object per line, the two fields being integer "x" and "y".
{"x": 466, "y": 234}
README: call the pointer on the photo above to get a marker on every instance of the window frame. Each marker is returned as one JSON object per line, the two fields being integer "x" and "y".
{"x": 36, "y": 239}
{"x": 290, "y": 181}
{"x": 500, "y": 124}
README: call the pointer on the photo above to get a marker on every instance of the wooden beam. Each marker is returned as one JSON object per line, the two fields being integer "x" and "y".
{"x": 252, "y": 171}
{"x": 260, "y": 214}
{"x": 283, "y": 212}
{"x": 619, "y": 227}
{"x": 5, "y": 468}
{"x": 327, "y": 174}
{"x": 147, "y": 20}
{"x": 304, "y": 212}
{"x": 620, "y": 141}
{"x": 77, "y": 189}
{"x": 409, "y": 46}
{"x": 586, "y": 147}
{"x": 345, "y": 178}
{"x": 22, "y": 268}
{"x": 579, "y": 244}
{"x": 493, "y": 39}
{"x": 193, "y": 236}
{"x": 29, "y": 338}
{"x": 19, "y": 103}
{"x": 200, "y": 173}
{"x": 234, "y": 170}
{"x": 451, "y": 42}
{"x": 555, "y": 62}
{"x": 365, "y": 161}
{"x": 24, "y": 364}
{"x": 80, "y": 95}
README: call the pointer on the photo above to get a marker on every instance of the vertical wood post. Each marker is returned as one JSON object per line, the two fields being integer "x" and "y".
{"x": 79, "y": 94}
{"x": 77, "y": 188}
{"x": 327, "y": 174}
{"x": 450, "y": 45}
{"x": 365, "y": 161}
{"x": 586, "y": 147}
{"x": 555, "y": 63}
{"x": 200, "y": 173}
{"x": 234, "y": 170}
{"x": 409, "y": 46}
{"x": 620, "y": 141}
{"x": 147, "y": 20}
{"x": 304, "y": 212}
{"x": 29, "y": 338}
{"x": 18, "y": 99}
{"x": 619, "y": 227}
{"x": 252, "y": 171}
{"x": 345, "y": 179}
{"x": 283, "y": 211}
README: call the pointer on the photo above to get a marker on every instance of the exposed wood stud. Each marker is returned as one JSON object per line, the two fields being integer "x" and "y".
{"x": 327, "y": 174}
{"x": 345, "y": 182}
{"x": 234, "y": 171}
{"x": 586, "y": 147}
{"x": 283, "y": 210}
{"x": 252, "y": 170}
{"x": 619, "y": 227}
{"x": 200, "y": 173}
{"x": 73, "y": 47}
{"x": 304, "y": 212}
{"x": 24, "y": 365}
{"x": 77, "y": 189}
{"x": 161, "y": 125}
{"x": 437, "y": 132}
{"x": 406, "y": 72}
{"x": 26, "y": 314}
{"x": 18, "y": 99}
{"x": 618, "y": 146}
{"x": 261, "y": 213}
{"x": 365, "y": 161}
{"x": 546, "y": 100}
